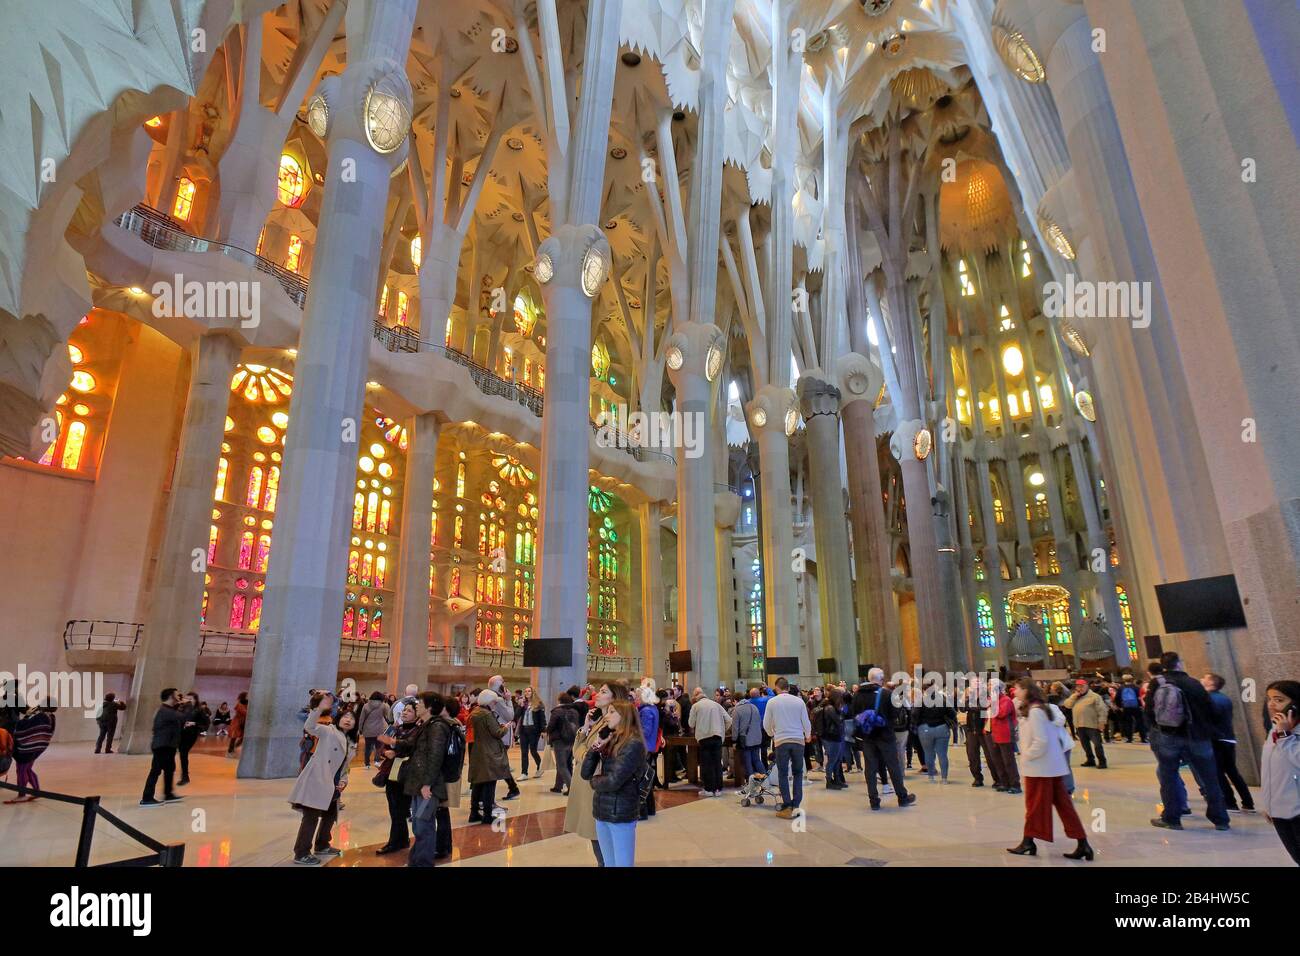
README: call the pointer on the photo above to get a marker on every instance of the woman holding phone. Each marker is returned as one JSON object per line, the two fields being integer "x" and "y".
{"x": 578, "y": 816}
{"x": 615, "y": 765}
{"x": 1279, "y": 764}
{"x": 316, "y": 791}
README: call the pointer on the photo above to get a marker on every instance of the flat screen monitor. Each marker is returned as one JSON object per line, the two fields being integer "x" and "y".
{"x": 1202, "y": 604}
{"x": 782, "y": 666}
{"x": 827, "y": 665}
{"x": 1153, "y": 646}
{"x": 548, "y": 652}
{"x": 679, "y": 662}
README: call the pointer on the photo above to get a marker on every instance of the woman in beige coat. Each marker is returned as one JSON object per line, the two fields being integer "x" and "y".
{"x": 578, "y": 816}
{"x": 317, "y": 789}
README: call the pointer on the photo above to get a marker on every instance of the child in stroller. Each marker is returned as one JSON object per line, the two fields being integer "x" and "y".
{"x": 758, "y": 788}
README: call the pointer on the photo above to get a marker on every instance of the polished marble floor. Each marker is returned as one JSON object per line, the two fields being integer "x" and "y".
{"x": 228, "y": 822}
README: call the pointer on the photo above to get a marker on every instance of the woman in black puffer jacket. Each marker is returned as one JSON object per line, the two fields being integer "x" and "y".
{"x": 616, "y": 764}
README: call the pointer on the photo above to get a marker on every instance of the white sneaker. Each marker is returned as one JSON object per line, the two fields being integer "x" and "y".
{"x": 523, "y": 776}
{"x": 886, "y": 790}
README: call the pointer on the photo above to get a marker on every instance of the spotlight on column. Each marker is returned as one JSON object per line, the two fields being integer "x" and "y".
{"x": 713, "y": 362}
{"x": 544, "y": 270}
{"x": 791, "y": 419}
{"x": 922, "y": 444}
{"x": 674, "y": 357}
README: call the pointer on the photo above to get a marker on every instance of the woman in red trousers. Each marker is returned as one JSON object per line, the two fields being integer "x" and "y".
{"x": 1044, "y": 767}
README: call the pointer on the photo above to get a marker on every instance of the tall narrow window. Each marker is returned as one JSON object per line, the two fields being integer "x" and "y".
{"x": 367, "y": 568}
{"x": 372, "y": 510}
{"x": 1127, "y": 616}
{"x": 349, "y": 617}
{"x": 246, "y": 551}
{"x": 1027, "y": 268}
{"x": 254, "y": 494}
{"x": 212, "y": 544}
{"x": 383, "y": 303}
{"x": 295, "y": 253}
{"x": 385, "y": 515}
{"x": 403, "y": 309}
{"x": 223, "y": 467}
{"x": 460, "y": 480}
{"x": 72, "y": 446}
{"x": 263, "y": 554}
{"x": 458, "y": 531}
{"x": 354, "y": 563}
{"x": 261, "y": 238}
{"x": 363, "y": 623}
{"x": 376, "y": 625}
{"x": 237, "y": 612}
{"x": 184, "y": 205}
{"x": 381, "y": 571}
{"x": 358, "y": 510}
{"x": 984, "y": 617}
{"x": 255, "y": 612}
{"x": 272, "y": 488}
{"x": 967, "y": 286}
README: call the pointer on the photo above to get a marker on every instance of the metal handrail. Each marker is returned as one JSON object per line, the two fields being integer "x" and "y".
{"x": 363, "y": 651}
{"x": 101, "y": 635}
{"x": 163, "y": 232}
{"x": 613, "y": 664}
{"x": 226, "y": 644}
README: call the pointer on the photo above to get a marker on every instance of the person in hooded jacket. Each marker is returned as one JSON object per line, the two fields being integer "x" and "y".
{"x": 489, "y": 761}
{"x": 615, "y": 766}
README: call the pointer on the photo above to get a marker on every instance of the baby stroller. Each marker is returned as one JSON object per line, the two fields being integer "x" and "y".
{"x": 757, "y": 789}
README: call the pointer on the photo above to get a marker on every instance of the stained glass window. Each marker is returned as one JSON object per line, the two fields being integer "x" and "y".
{"x": 237, "y": 611}
{"x": 246, "y": 551}
{"x": 984, "y": 617}
{"x": 403, "y": 309}
{"x": 1126, "y": 615}
{"x": 272, "y": 488}
{"x": 358, "y": 510}
{"x": 381, "y": 571}
{"x": 295, "y": 253}
{"x": 223, "y": 467}
{"x": 184, "y": 204}
{"x": 255, "y": 612}
{"x": 349, "y": 618}
{"x": 293, "y": 183}
{"x": 263, "y": 554}
{"x": 383, "y": 303}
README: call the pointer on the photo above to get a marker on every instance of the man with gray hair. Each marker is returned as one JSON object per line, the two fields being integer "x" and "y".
{"x": 873, "y": 721}
{"x": 505, "y": 712}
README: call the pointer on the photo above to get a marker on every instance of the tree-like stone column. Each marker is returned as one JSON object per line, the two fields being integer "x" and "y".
{"x": 693, "y": 352}
{"x": 772, "y": 418}
{"x": 369, "y": 110}
{"x": 820, "y": 401}
{"x": 408, "y": 661}
{"x": 859, "y": 383}
{"x": 169, "y": 651}
{"x": 571, "y": 265}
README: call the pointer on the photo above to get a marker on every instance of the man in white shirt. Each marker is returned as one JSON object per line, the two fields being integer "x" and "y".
{"x": 785, "y": 718}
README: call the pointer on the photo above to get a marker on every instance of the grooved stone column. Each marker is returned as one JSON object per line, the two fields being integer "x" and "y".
{"x": 408, "y": 661}
{"x": 561, "y": 610}
{"x": 652, "y": 592}
{"x": 169, "y": 651}
{"x": 298, "y": 645}
{"x": 821, "y": 415}
{"x": 768, "y": 414}
{"x": 691, "y": 352}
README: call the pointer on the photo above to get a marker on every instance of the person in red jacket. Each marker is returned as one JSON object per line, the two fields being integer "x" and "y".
{"x": 1002, "y": 730}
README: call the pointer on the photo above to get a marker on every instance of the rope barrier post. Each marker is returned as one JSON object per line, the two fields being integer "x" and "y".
{"x": 89, "y": 810}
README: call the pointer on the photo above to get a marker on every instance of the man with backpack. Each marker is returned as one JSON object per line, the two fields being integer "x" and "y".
{"x": 561, "y": 732}
{"x": 437, "y": 757}
{"x": 874, "y": 715}
{"x": 1180, "y": 716}
{"x": 1130, "y": 708}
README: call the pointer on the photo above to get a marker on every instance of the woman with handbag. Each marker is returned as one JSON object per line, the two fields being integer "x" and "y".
{"x": 317, "y": 790}
{"x": 396, "y": 748}
{"x": 1044, "y": 766}
{"x": 616, "y": 765}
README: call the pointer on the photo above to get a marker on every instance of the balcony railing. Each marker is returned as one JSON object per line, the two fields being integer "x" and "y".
{"x": 101, "y": 635}
{"x": 163, "y": 232}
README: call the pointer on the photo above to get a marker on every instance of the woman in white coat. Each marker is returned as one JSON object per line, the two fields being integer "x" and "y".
{"x": 317, "y": 789}
{"x": 1045, "y": 766}
{"x": 1279, "y": 764}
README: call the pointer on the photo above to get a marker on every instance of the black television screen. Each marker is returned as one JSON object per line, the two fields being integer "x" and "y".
{"x": 782, "y": 666}
{"x": 1202, "y": 604}
{"x": 548, "y": 652}
{"x": 679, "y": 662}
{"x": 827, "y": 665}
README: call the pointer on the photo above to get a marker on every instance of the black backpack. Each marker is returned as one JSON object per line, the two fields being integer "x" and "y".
{"x": 453, "y": 761}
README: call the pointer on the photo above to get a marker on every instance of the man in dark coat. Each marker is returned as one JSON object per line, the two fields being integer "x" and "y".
{"x": 107, "y": 721}
{"x": 167, "y": 726}
{"x": 422, "y": 777}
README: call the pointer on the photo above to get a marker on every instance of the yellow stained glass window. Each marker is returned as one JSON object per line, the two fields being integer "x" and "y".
{"x": 184, "y": 204}
{"x": 293, "y": 183}
{"x": 295, "y": 253}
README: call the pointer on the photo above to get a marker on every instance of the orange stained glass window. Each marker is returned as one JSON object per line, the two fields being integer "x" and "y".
{"x": 293, "y": 184}
{"x": 363, "y": 622}
{"x": 372, "y": 510}
{"x": 72, "y": 447}
{"x": 376, "y": 625}
{"x": 381, "y": 571}
{"x": 223, "y": 467}
{"x": 263, "y": 554}
{"x": 237, "y": 611}
{"x": 385, "y": 515}
{"x": 349, "y": 616}
{"x": 458, "y": 531}
{"x": 255, "y": 612}
{"x": 354, "y": 561}
{"x": 403, "y": 308}
{"x": 358, "y": 510}
{"x": 246, "y": 551}
{"x": 184, "y": 205}
{"x": 383, "y": 303}
{"x": 367, "y": 568}
{"x": 213, "y": 534}
{"x": 295, "y": 253}
{"x": 272, "y": 488}
{"x": 261, "y": 238}
{"x": 254, "y": 494}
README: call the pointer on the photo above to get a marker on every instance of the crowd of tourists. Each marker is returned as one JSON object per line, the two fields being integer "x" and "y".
{"x": 611, "y": 746}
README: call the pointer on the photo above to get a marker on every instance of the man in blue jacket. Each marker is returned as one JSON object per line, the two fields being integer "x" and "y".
{"x": 1224, "y": 743}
